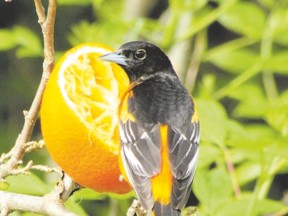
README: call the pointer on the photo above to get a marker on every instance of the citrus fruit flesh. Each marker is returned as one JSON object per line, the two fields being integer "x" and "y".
{"x": 79, "y": 117}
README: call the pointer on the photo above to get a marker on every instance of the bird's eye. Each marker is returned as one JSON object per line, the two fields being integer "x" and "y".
{"x": 140, "y": 54}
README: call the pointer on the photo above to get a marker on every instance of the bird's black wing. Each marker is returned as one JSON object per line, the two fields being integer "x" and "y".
{"x": 183, "y": 147}
{"x": 141, "y": 156}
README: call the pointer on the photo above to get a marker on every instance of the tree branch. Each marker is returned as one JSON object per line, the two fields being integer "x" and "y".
{"x": 53, "y": 202}
{"x": 14, "y": 157}
{"x": 49, "y": 204}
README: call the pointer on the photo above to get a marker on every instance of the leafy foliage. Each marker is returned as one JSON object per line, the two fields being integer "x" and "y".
{"x": 241, "y": 94}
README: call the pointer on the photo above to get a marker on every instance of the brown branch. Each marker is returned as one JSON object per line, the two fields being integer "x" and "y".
{"x": 53, "y": 202}
{"x": 40, "y": 10}
{"x": 49, "y": 204}
{"x": 17, "y": 152}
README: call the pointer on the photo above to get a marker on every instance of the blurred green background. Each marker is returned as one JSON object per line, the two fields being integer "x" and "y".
{"x": 231, "y": 54}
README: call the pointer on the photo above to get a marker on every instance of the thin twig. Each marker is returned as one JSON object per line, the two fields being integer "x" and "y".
{"x": 32, "y": 145}
{"x": 17, "y": 152}
{"x": 40, "y": 10}
{"x": 53, "y": 202}
{"x": 45, "y": 169}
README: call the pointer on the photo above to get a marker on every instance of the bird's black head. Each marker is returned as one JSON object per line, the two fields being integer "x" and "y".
{"x": 139, "y": 58}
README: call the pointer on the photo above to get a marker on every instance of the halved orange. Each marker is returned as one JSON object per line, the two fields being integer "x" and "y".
{"x": 79, "y": 117}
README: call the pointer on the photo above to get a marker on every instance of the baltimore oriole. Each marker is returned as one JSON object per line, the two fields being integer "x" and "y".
{"x": 159, "y": 129}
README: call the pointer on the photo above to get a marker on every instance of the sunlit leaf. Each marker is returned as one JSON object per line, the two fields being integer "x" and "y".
{"x": 213, "y": 188}
{"x": 28, "y": 42}
{"x": 245, "y": 18}
{"x": 4, "y": 185}
{"x": 278, "y": 63}
{"x": 207, "y": 85}
{"x": 83, "y": 32}
{"x": 74, "y": 2}
{"x": 277, "y": 116}
{"x": 247, "y": 172}
{"x": 235, "y": 61}
{"x": 74, "y": 206}
{"x": 252, "y": 102}
{"x": 98, "y": 32}
{"x": 239, "y": 207}
{"x": 256, "y": 137}
{"x": 27, "y": 184}
{"x": 212, "y": 121}
{"x": 7, "y": 40}
{"x": 89, "y": 194}
{"x": 27, "y": 214}
{"x": 280, "y": 149}
{"x": 278, "y": 20}
{"x": 208, "y": 155}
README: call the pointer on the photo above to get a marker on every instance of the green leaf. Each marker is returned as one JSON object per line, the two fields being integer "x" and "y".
{"x": 280, "y": 149}
{"x": 196, "y": 4}
{"x": 208, "y": 154}
{"x": 239, "y": 207}
{"x": 4, "y": 185}
{"x": 7, "y": 40}
{"x": 213, "y": 119}
{"x": 27, "y": 184}
{"x": 122, "y": 196}
{"x": 267, "y": 3}
{"x": 207, "y": 85}
{"x": 247, "y": 172}
{"x": 278, "y": 63}
{"x": 256, "y": 137}
{"x": 234, "y": 61}
{"x": 29, "y": 43}
{"x": 252, "y": 102}
{"x": 277, "y": 115}
{"x": 74, "y": 206}
{"x": 187, "y": 5}
{"x": 98, "y": 32}
{"x": 89, "y": 194}
{"x": 282, "y": 38}
{"x": 245, "y": 18}
{"x": 213, "y": 188}
{"x": 29, "y": 214}
{"x": 83, "y": 32}
{"x": 278, "y": 20}
{"x": 74, "y": 2}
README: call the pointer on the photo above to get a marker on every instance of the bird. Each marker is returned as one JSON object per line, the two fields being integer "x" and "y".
{"x": 159, "y": 129}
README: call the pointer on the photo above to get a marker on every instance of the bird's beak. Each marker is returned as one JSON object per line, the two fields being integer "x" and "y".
{"x": 115, "y": 57}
